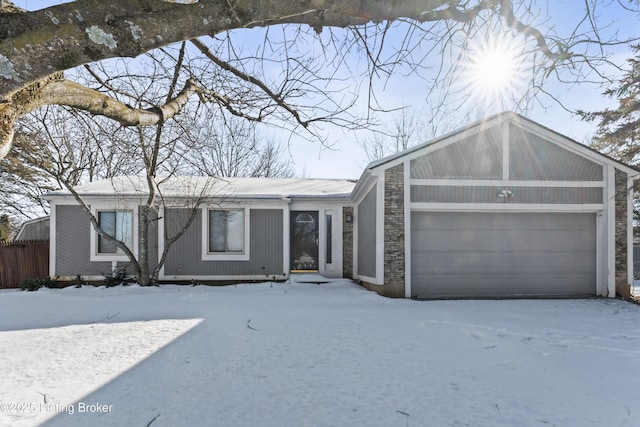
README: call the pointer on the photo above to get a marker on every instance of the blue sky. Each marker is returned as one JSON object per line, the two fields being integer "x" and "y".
{"x": 346, "y": 158}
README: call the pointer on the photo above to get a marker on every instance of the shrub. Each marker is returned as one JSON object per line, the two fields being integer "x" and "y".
{"x": 116, "y": 278}
{"x": 33, "y": 284}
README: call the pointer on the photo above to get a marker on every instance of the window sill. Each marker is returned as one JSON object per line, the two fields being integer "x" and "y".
{"x": 226, "y": 257}
{"x": 108, "y": 257}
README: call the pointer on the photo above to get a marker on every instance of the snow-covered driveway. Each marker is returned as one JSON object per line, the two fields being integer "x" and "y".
{"x": 313, "y": 355}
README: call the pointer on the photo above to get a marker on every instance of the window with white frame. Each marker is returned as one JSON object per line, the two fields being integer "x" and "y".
{"x": 117, "y": 224}
{"x": 226, "y": 231}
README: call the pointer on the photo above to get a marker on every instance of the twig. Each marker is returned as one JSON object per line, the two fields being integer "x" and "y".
{"x": 405, "y": 414}
{"x": 154, "y": 418}
{"x": 111, "y": 317}
{"x": 44, "y": 396}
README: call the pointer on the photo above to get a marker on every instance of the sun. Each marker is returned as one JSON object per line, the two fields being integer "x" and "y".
{"x": 493, "y": 71}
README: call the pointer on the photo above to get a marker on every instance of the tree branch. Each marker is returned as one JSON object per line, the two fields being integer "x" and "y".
{"x": 32, "y": 44}
{"x": 250, "y": 79}
{"x": 56, "y": 90}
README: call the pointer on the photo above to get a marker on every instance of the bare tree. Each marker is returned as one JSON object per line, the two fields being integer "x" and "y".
{"x": 35, "y": 44}
{"x": 408, "y": 128}
{"x": 72, "y": 155}
{"x": 72, "y": 147}
{"x": 228, "y": 146}
{"x": 23, "y": 187}
{"x": 59, "y": 139}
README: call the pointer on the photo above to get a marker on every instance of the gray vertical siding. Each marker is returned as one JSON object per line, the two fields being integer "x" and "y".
{"x": 533, "y": 158}
{"x": 266, "y": 247}
{"x": 367, "y": 235}
{"x": 73, "y": 251}
{"x": 477, "y": 157}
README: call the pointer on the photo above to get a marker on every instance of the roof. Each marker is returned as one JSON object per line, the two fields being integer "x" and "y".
{"x": 236, "y": 188}
{"x": 496, "y": 118}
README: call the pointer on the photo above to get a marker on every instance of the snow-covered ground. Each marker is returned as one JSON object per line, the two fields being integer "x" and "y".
{"x": 303, "y": 354}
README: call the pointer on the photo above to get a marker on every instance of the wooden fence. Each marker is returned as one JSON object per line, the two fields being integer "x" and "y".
{"x": 23, "y": 260}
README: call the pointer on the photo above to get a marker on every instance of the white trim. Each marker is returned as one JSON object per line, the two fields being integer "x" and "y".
{"x": 505, "y": 149}
{"x": 505, "y": 183}
{"x": 630, "y": 263}
{"x": 53, "y": 218}
{"x": 600, "y": 291}
{"x": 356, "y": 226}
{"x": 94, "y": 256}
{"x": 210, "y": 256}
{"x": 320, "y": 241}
{"x": 380, "y": 199}
{"x": 504, "y": 207}
{"x": 83, "y": 278}
{"x": 183, "y": 278}
{"x": 366, "y": 189}
{"x": 611, "y": 231}
{"x": 407, "y": 229}
{"x": 209, "y": 277}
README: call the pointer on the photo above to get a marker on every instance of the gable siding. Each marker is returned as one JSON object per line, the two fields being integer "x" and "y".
{"x": 266, "y": 247}
{"x": 73, "y": 231}
{"x": 533, "y": 158}
{"x": 488, "y": 194}
{"x": 476, "y": 157}
{"x": 367, "y": 235}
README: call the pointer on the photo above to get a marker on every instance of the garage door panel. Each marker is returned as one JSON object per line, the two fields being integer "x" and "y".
{"x": 490, "y": 286}
{"x": 503, "y": 254}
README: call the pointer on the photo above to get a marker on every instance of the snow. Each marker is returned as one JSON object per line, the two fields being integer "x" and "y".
{"x": 237, "y": 187}
{"x": 307, "y": 354}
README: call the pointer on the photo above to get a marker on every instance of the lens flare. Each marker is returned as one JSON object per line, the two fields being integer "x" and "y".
{"x": 493, "y": 72}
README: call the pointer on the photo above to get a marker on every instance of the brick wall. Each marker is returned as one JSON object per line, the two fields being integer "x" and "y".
{"x": 622, "y": 283}
{"x": 347, "y": 243}
{"x": 394, "y": 256}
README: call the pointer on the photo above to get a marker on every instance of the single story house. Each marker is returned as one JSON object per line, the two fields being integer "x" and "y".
{"x": 501, "y": 208}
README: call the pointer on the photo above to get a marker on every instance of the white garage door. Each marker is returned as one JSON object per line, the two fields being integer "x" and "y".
{"x": 502, "y": 254}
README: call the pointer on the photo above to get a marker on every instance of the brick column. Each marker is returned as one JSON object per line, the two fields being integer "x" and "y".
{"x": 622, "y": 283}
{"x": 347, "y": 243}
{"x": 394, "y": 256}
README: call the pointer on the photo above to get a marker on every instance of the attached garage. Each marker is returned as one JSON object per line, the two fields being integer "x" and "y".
{"x": 496, "y": 254}
{"x": 504, "y": 208}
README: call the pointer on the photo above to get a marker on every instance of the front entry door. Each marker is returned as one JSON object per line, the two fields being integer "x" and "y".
{"x": 304, "y": 241}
